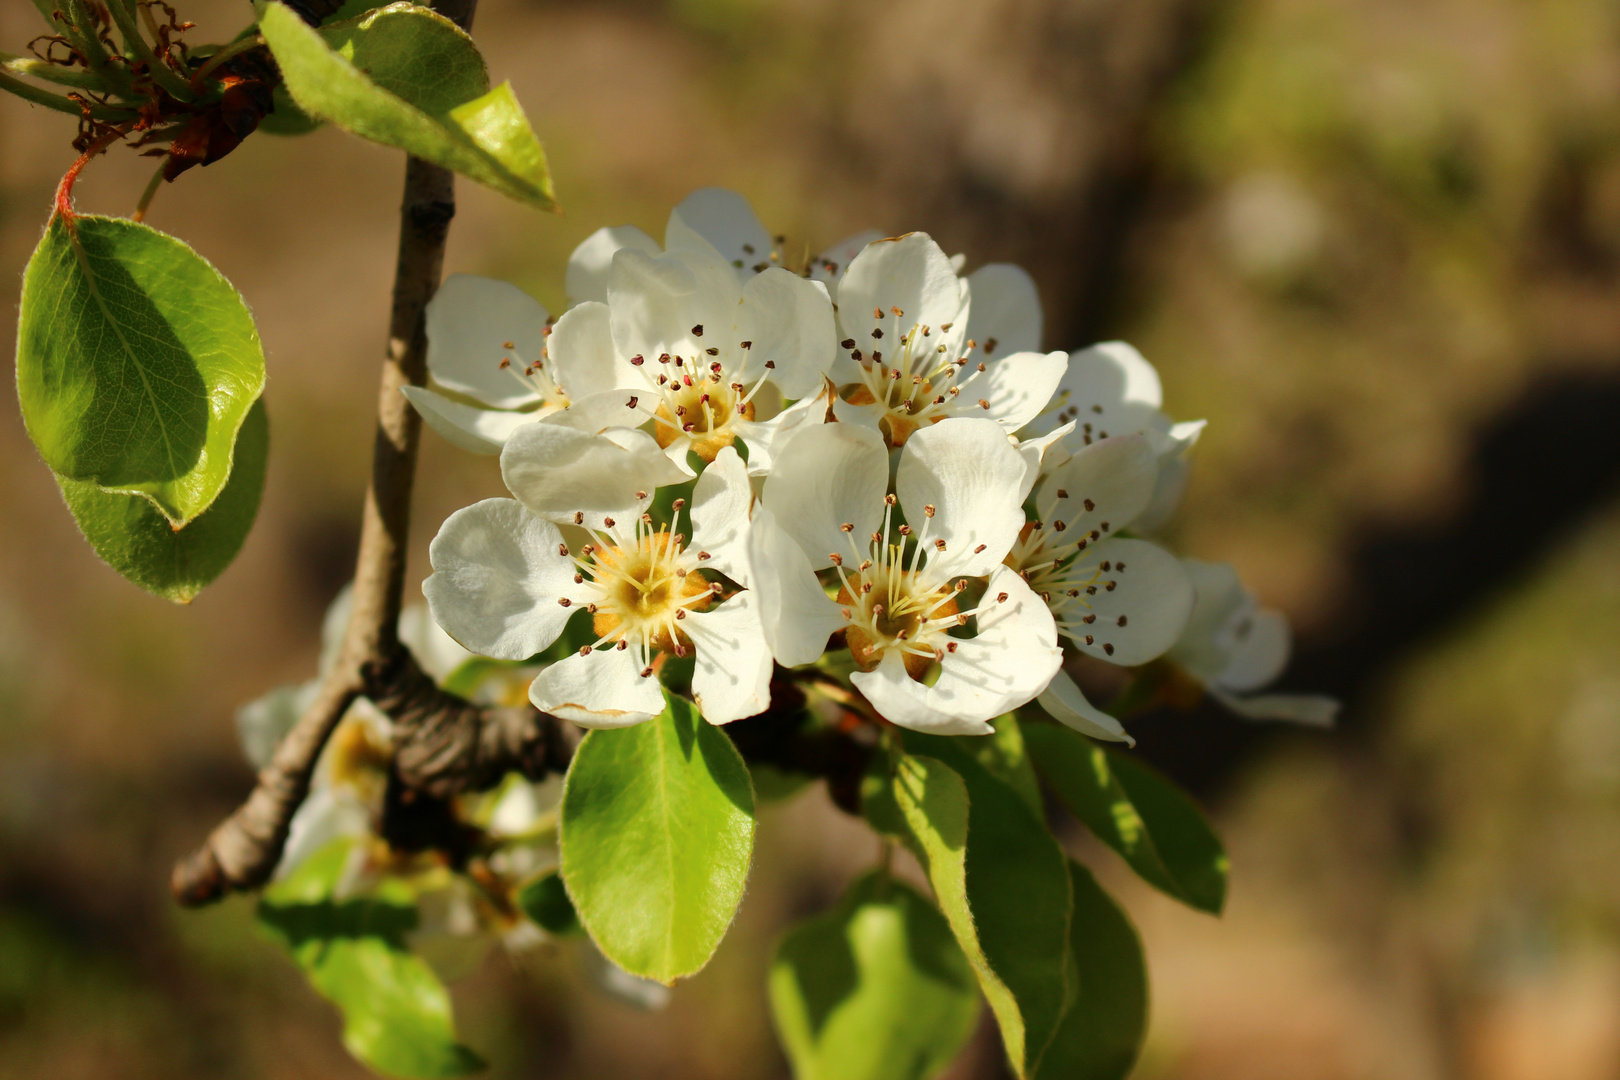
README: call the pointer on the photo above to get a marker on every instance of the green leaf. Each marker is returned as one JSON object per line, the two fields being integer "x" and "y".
{"x": 1003, "y": 885}
{"x": 1005, "y": 755}
{"x": 657, "y": 830}
{"x": 137, "y": 363}
{"x": 545, "y": 900}
{"x": 1102, "y": 1033}
{"x": 406, "y": 77}
{"x": 876, "y": 989}
{"x": 1154, "y": 825}
{"x": 396, "y": 1013}
{"x": 134, "y": 539}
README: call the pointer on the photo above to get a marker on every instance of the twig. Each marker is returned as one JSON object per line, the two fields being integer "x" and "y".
{"x": 242, "y": 851}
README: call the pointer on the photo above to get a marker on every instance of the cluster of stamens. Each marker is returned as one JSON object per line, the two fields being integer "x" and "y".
{"x": 534, "y": 376}
{"x": 696, "y": 397}
{"x": 919, "y": 380}
{"x": 639, "y": 584}
{"x": 1050, "y": 556}
{"x": 890, "y": 601}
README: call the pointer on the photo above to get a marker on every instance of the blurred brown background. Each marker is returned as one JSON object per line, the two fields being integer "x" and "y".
{"x": 1376, "y": 243}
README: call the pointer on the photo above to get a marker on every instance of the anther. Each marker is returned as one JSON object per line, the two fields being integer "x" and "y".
{"x": 622, "y": 645}
{"x": 579, "y": 579}
{"x": 609, "y": 522}
{"x": 646, "y": 672}
{"x": 697, "y": 331}
{"x": 702, "y": 555}
{"x": 890, "y": 499}
{"x": 877, "y": 313}
{"x": 940, "y": 544}
{"x": 847, "y": 343}
{"x": 1122, "y": 620}
{"x": 929, "y": 510}
{"x": 980, "y": 548}
{"x": 746, "y": 344}
{"x": 637, "y": 360}
{"x": 564, "y": 601}
{"x": 712, "y": 351}
{"x": 837, "y": 559}
{"x": 1089, "y": 619}
{"x": 579, "y": 517}
{"x": 905, "y": 530}
{"x": 1108, "y": 648}
{"x": 678, "y": 504}
{"x": 584, "y": 650}
{"x": 898, "y": 313}
{"x": 950, "y": 646}
{"x": 562, "y": 549}
{"x": 1001, "y": 598}
{"x": 877, "y": 331}
{"x": 505, "y": 363}
{"x": 632, "y": 402}
{"x": 1090, "y": 640}
{"x": 680, "y": 614}
{"x": 848, "y": 526}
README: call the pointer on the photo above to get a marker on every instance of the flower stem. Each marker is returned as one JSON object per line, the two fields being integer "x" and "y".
{"x": 37, "y": 96}
{"x": 123, "y": 14}
{"x": 146, "y": 196}
{"x": 234, "y": 49}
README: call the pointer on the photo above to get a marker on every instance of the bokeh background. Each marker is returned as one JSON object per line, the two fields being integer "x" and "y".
{"x": 1375, "y": 242}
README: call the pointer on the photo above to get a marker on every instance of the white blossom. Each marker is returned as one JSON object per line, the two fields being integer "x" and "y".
{"x": 908, "y": 351}
{"x": 486, "y": 353}
{"x": 1110, "y": 389}
{"x": 1120, "y": 600}
{"x": 1235, "y": 649}
{"x": 505, "y": 585}
{"x": 901, "y": 588}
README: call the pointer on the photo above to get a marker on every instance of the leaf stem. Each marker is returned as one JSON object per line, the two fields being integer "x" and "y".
{"x": 64, "y": 190}
{"x": 51, "y": 73}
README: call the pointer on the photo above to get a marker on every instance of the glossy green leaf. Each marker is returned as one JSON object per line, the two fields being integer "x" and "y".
{"x": 1153, "y": 824}
{"x": 134, "y": 539}
{"x": 1101, "y": 1035}
{"x": 1003, "y": 885}
{"x": 876, "y": 989}
{"x": 406, "y": 77}
{"x": 657, "y": 830}
{"x": 396, "y": 1013}
{"x": 137, "y": 363}
{"x": 545, "y": 900}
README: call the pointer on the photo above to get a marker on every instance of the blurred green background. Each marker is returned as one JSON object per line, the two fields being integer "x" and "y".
{"x": 1375, "y": 243}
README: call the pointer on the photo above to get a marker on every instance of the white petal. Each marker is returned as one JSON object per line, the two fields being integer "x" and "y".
{"x": 263, "y": 722}
{"x": 720, "y": 504}
{"x": 732, "y": 675}
{"x": 765, "y": 438}
{"x": 497, "y": 578}
{"x": 590, "y": 263}
{"x": 1114, "y": 476}
{"x": 1145, "y": 611}
{"x": 1311, "y": 710}
{"x": 970, "y": 472}
{"x": 470, "y": 322}
{"x": 438, "y": 653}
{"x": 559, "y": 472}
{"x": 467, "y": 427}
{"x": 910, "y": 273}
{"x": 1007, "y": 663}
{"x": 1006, "y": 310}
{"x": 324, "y": 816}
{"x": 722, "y": 220}
{"x": 1219, "y": 598}
{"x": 583, "y": 358}
{"x": 796, "y": 615}
{"x": 1109, "y": 389}
{"x": 600, "y": 689}
{"x": 599, "y": 413}
{"x": 829, "y": 267}
{"x": 1175, "y": 468}
{"x": 1065, "y": 703}
{"x": 1260, "y": 644}
{"x": 1043, "y": 454}
{"x": 659, "y": 304}
{"x": 1015, "y": 388}
{"x": 792, "y": 326}
{"x": 826, "y": 476}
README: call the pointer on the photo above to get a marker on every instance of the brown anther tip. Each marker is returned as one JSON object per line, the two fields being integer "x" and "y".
{"x": 898, "y": 313}
{"x": 877, "y": 313}
{"x": 771, "y": 364}
{"x": 950, "y": 646}
{"x": 678, "y": 504}
{"x": 697, "y": 331}
{"x": 940, "y": 544}
{"x": 747, "y": 344}
{"x": 680, "y": 614}
{"x": 646, "y": 671}
{"x": 890, "y": 499}
{"x": 837, "y": 559}
{"x": 703, "y": 555}
{"x": 564, "y": 601}
{"x": 847, "y": 343}
{"x": 622, "y": 645}
{"x": 562, "y": 549}
{"x": 505, "y": 363}
{"x": 905, "y": 530}
{"x": 579, "y": 517}
{"x": 1108, "y": 648}
{"x": 637, "y": 360}
{"x": 877, "y": 331}
{"x": 609, "y": 522}
{"x": 712, "y": 351}
{"x": 979, "y": 549}
{"x": 1122, "y": 620}
{"x": 633, "y": 402}
{"x": 1001, "y": 598}
{"x": 584, "y": 650}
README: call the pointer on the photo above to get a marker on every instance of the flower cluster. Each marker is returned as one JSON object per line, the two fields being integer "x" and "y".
{"x": 860, "y": 468}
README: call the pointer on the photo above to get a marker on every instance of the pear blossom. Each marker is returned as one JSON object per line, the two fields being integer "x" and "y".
{"x": 901, "y": 597}
{"x": 1236, "y": 648}
{"x": 908, "y": 356}
{"x": 505, "y": 584}
{"x": 1110, "y": 389}
{"x": 1121, "y": 600}
{"x": 486, "y": 353}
